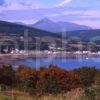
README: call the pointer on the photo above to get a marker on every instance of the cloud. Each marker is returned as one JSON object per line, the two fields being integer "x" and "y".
{"x": 2, "y": 2}
{"x": 94, "y": 24}
{"x": 63, "y": 3}
{"x": 72, "y": 12}
{"x": 21, "y": 4}
{"x": 92, "y": 13}
{"x": 32, "y": 4}
{"x": 52, "y": 15}
{"x": 26, "y": 3}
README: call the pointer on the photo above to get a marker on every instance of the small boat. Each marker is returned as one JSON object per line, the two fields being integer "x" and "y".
{"x": 87, "y": 58}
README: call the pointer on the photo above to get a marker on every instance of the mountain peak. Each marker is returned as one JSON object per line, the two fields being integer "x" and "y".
{"x": 44, "y": 21}
{"x": 48, "y": 25}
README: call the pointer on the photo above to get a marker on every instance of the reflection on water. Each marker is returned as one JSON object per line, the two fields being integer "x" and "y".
{"x": 68, "y": 63}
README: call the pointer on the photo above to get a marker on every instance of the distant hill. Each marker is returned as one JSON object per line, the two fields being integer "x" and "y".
{"x": 36, "y": 37}
{"x": 48, "y": 25}
{"x": 20, "y": 23}
{"x": 84, "y": 35}
{"x": 18, "y": 29}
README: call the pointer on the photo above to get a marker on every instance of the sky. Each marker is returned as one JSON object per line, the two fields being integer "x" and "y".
{"x": 84, "y": 12}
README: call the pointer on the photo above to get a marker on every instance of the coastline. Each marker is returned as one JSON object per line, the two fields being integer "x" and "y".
{"x": 43, "y": 54}
{"x": 73, "y": 59}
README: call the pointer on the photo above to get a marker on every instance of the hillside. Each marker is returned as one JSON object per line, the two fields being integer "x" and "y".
{"x": 84, "y": 35}
{"x": 11, "y": 32}
{"x": 36, "y": 37}
{"x": 48, "y": 25}
{"x": 13, "y": 28}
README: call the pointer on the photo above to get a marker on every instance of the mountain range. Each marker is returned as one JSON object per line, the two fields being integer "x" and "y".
{"x": 85, "y": 34}
{"x": 19, "y": 29}
{"x": 55, "y": 27}
{"x": 14, "y": 31}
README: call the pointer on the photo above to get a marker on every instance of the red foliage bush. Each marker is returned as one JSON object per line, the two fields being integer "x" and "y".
{"x": 51, "y": 80}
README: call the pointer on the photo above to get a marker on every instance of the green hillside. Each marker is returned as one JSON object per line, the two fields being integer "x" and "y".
{"x": 10, "y": 32}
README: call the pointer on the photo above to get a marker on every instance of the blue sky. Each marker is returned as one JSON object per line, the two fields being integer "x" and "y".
{"x": 85, "y": 12}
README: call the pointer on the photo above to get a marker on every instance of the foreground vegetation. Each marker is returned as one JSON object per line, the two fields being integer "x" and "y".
{"x": 52, "y": 83}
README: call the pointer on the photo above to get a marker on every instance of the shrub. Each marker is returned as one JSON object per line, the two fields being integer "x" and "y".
{"x": 87, "y": 75}
{"x": 90, "y": 93}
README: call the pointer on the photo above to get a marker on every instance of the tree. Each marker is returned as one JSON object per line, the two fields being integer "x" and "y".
{"x": 26, "y": 79}
{"x": 7, "y": 75}
{"x": 56, "y": 80}
{"x": 97, "y": 80}
{"x": 87, "y": 75}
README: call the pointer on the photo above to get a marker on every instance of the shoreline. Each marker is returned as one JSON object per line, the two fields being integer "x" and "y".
{"x": 43, "y": 54}
{"x": 13, "y": 58}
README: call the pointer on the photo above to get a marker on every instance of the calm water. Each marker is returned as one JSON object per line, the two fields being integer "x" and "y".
{"x": 67, "y": 63}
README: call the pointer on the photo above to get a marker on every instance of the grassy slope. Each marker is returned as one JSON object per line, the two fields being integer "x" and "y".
{"x": 42, "y": 98}
{"x": 72, "y": 95}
